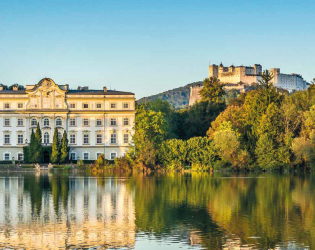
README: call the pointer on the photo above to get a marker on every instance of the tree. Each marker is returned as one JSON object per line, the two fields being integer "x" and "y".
{"x": 32, "y": 148}
{"x": 37, "y": 146}
{"x": 150, "y": 132}
{"x": 64, "y": 152}
{"x": 212, "y": 90}
{"x": 55, "y": 154}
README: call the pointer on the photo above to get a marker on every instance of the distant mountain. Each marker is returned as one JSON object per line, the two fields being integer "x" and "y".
{"x": 178, "y": 97}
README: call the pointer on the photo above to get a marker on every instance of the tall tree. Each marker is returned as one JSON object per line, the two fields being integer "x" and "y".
{"x": 64, "y": 154}
{"x": 212, "y": 90}
{"x": 55, "y": 154}
{"x": 32, "y": 148}
{"x": 38, "y": 148}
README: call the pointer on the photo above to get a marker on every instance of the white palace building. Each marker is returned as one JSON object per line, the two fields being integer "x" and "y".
{"x": 96, "y": 121}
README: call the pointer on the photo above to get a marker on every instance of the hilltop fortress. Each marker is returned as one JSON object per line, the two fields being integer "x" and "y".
{"x": 236, "y": 77}
{"x": 246, "y": 75}
{"x": 243, "y": 77}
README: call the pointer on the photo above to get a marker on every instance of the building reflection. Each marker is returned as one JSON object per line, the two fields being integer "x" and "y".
{"x": 65, "y": 212}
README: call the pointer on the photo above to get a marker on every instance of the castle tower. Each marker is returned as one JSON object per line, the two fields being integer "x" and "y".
{"x": 258, "y": 69}
{"x": 213, "y": 70}
{"x": 275, "y": 72}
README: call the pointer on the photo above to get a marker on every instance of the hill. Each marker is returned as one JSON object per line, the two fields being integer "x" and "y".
{"x": 178, "y": 97}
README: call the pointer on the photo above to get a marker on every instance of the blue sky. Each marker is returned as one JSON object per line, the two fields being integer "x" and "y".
{"x": 150, "y": 46}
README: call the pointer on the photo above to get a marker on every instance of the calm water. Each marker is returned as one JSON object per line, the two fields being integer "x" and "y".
{"x": 170, "y": 211}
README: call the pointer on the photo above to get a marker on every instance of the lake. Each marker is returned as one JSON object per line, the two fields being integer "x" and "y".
{"x": 157, "y": 211}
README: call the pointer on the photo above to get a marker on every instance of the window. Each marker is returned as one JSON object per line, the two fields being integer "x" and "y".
{"x": 126, "y": 105}
{"x": 20, "y": 157}
{"x": 20, "y": 105}
{"x": 58, "y": 122}
{"x": 59, "y": 136}
{"x": 6, "y": 122}
{"x": 46, "y": 137}
{"x": 20, "y": 122}
{"x": 72, "y": 156}
{"x": 113, "y": 156}
{"x": 98, "y": 155}
{"x": 33, "y": 122}
{"x": 72, "y": 122}
{"x": 7, "y": 105}
{"x": 98, "y": 105}
{"x": 20, "y": 139}
{"x": 126, "y": 138}
{"x": 6, "y": 139}
{"x": 113, "y": 105}
{"x": 72, "y": 105}
{"x": 85, "y": 156}
{"x": 99, "y": 138}
{"x": 113, "y": 122}
{"x": 85, "y": 105}
{"x": 98, "y": 122}
{"x": 113, "y": 138}
{"x": 126, "y": 121}
{"x": 6, "y": 156}
{"x": 85, "y": 122}
{"x": 72, "y": 139}
{"x": 46, "y": 122}
{"x": 86, "y": 139}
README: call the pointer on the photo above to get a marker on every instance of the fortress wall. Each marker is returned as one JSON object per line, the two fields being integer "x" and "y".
{"x": 194, "y": 94}
{"x": 249, "y": 79}
{"x": 230, "y": 77}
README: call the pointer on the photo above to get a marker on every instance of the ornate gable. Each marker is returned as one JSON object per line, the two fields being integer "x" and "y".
{"x": 46, "y": 94}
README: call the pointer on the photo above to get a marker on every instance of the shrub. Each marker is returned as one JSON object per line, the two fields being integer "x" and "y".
{"x": 172, "y": 154}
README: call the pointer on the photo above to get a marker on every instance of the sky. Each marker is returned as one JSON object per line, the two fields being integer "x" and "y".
{"x": 148, "y": 47}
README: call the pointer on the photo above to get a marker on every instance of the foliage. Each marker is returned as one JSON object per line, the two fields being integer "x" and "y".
{"x": 64, "y": 152}
{"x": 173, "y": 154}
{"x": 80, "y": 163}
{"x": 55, "y": 155}
{"x": 150, "y": 132}
{"x": 6, "y": 87}
{"x": 212, "y": 91}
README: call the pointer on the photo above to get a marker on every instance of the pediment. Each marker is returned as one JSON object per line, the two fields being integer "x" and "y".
{"x": 46, "y": 85}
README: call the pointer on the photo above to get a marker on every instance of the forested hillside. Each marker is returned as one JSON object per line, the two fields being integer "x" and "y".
{"x": 178, "y": 97}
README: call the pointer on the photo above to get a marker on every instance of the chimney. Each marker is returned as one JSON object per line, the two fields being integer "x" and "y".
{"x": 105, "y": 89}
{"x": 15, "y": 88}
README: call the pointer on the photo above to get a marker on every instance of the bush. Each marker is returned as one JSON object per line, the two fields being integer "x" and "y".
{"x": 172, "y": 154}
{"x": 122, "y": 163}
{"x": 80, "y": 163}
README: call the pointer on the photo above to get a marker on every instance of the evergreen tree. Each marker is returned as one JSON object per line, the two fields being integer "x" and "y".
{"x": 64, "y": 154}
{"x": 55, "y": 154}
{"x": 32, "y": 147}
{"x": 37, "y": 148}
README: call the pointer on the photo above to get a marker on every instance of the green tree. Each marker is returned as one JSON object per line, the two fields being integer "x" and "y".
{"x": 37, "y": 145}
{"x": 212, "y": 90}
{"x": 64, "y": 152}
{"x": 150, "y": 132}
{"x": 32, "y": 148}
{"x": 55, "y": 154}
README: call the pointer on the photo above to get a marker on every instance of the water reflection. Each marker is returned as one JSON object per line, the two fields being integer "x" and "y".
{"x": 50, "y": 211}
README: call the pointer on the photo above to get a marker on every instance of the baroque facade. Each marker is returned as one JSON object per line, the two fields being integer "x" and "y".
{"x": 96, "y": 121}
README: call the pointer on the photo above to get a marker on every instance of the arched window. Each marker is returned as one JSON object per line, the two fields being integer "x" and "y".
{"x": 46, "y": 122}
{"x": 59, "y": 136}
{"x": 33, "y": 122}
{"x": 58, "y": 122}
{"x": 46, "y": 137}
